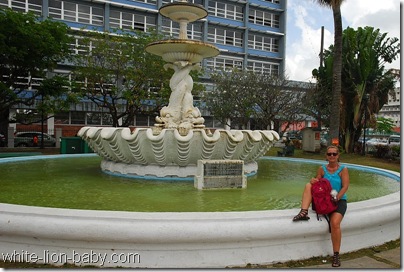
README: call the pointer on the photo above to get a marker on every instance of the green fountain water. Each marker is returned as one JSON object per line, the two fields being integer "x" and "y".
{"x": 78, "y": 183}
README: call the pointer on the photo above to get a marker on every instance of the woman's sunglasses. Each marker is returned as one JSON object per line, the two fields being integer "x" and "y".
{"x": 332, "y": 154}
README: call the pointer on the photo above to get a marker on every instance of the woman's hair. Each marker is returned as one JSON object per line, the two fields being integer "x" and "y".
{"x": 333, "y": 146}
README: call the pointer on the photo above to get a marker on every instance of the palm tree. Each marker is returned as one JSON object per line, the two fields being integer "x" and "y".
{"x": 335, "y": 5}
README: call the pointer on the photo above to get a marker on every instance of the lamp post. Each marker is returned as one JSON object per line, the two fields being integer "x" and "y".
{"x": 365, "y": 99}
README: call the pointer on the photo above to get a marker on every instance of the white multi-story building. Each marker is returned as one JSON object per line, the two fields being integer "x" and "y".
{"x": 392, "y": 110}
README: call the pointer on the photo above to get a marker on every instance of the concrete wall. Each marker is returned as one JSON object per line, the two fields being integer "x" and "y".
{"x": 190, "y": 239}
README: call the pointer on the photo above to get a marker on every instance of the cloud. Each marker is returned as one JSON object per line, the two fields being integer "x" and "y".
{"x": 305, "y": 19}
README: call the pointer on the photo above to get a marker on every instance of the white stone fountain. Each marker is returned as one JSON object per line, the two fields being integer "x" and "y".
{"x": 179, "y": 139}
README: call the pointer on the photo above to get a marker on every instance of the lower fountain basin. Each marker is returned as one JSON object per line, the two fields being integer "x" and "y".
{"x": 141, "y": 153}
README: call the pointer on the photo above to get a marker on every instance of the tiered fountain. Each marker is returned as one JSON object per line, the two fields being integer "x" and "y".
{"x": 179, "y": 139}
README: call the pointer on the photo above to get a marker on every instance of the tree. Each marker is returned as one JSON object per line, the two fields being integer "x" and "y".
{"x": 242, "y": 96}
{"x": 335, "y": 5}
{"x": 277, "y": 99}
{"x": 116, "y": 73}
{"x": 29, "y": 48}
{"x": 384, "y": 125}
{"x": 366, "y": 50}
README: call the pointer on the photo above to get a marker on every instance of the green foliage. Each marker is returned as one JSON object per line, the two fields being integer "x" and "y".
{"x": 240, "y": 96}
{"x": 384, "y": 125}
{"x": 119, "y": 75}
{"x": 365, "y": 51}
{"x": 28, "y": 48}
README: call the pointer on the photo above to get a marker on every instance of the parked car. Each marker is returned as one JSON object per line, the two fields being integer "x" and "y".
{"x": 372, "y": 143}
{"x": 376, "y": 141}
{"x": 32, "y": 138}
{"x": 394, "y": 140}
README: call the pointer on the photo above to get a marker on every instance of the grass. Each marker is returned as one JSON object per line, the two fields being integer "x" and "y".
{"x": 367, "y": 160}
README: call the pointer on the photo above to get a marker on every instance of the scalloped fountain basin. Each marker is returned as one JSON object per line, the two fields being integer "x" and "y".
{"x": 142, "y": 153}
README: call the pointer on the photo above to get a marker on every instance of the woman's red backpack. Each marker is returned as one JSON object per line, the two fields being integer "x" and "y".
{"x": 322, "y": 199}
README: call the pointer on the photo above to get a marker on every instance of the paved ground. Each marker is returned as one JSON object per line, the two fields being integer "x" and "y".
{"x": 385, "y": 259}
{"x": 377, "y": 258}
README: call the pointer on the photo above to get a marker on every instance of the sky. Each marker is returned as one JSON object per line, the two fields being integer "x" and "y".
{"x": 305, "y": 19}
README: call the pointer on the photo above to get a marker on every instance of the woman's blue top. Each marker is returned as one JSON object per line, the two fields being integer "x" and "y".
{"x": 335, "y": 179}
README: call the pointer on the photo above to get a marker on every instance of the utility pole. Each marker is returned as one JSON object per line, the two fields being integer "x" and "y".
{"x": 322, "y": 47}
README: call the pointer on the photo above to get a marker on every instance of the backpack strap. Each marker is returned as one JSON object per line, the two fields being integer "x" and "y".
{"x": 328, "y": 221}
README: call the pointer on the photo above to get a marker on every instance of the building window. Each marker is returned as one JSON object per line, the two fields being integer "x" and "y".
{"x": 74, "y": 12}
{"x": 23, "y": 5}
{"x": 93, "y": 118}
{"x": 263, "y": 67}
{"x": 273, "y": 1}
{"x": 199, "y": 2}
{"x": 224, "y": 63}
{"x": 62, "y": 118}
{"x": 225, "y": 10}
{"x": 225, "y": 36}
{"x": 78, "y": 117}
{"x": 264, "y": 43}
{"x": 131, "y": 21}
{"x": 263, "y": 18}
{"x": 153, "y": 2}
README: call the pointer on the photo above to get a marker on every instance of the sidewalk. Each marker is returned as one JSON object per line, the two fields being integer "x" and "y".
{"x": 384, "y": 256}
{"x": 385, "y": 259}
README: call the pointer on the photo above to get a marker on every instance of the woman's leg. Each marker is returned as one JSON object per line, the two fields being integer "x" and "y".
{"x": 306, "y": 200}
{"x": 335, "y": 222}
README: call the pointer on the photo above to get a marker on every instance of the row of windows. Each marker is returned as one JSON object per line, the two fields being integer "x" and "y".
{"x": 228, "y": 63}
{"x": 94, "y": 15}
{"x": 264, "y": 43}
{"x": 129, "y": 21}
{"x": 225, "y": 10}
{"x": 73, "y": 12}
{"x": 23, "y": 5}
{"x": 263, "y": 18}
{"x": 225, "y": 36}
{"x": 104, "y": 119}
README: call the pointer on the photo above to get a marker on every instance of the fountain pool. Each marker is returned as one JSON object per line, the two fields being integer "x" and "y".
{"x": 77, "y": 182}
{"x": 186, "y": 239}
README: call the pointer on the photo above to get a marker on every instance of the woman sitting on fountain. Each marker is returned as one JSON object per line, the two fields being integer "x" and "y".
{"x": 339, "y": 178}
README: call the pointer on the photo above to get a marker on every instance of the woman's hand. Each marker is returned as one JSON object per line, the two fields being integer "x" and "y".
{"x": 313, "y": 180}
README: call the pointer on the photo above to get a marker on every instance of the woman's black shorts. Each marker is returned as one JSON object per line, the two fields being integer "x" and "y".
{"x": 342, "y": 206}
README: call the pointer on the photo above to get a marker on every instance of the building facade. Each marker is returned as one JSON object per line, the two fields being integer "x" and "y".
{"x": 392, "y": 109}
{"x": 249, "y": 34}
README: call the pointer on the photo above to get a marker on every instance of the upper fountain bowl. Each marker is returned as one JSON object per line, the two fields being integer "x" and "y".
{"x": 183, "y": 11}
{"x": 182, "y": 50}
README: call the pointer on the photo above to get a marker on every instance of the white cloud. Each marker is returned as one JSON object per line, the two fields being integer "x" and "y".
{"x": 305, "y": 19}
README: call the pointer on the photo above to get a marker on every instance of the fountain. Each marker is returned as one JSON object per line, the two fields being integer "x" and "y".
{"x": 172, "y": 148}
{"x": 179, "y": 139}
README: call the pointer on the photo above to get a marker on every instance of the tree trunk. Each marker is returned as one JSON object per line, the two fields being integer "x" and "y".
{"x": 337, "y": 67}
{"x": 4, "y": 121}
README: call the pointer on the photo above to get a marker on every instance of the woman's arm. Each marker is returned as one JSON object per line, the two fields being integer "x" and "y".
{"x": 345, "y": 182}
{"x": 320, "y": 174}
